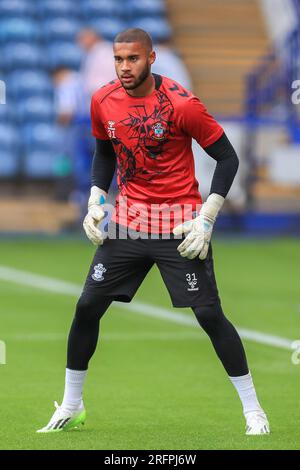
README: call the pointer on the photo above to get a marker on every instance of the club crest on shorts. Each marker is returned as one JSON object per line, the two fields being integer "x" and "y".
{"x": 192, "y": 281}
{"x": 99, "y": 271}
{"x": 159, "y": 131}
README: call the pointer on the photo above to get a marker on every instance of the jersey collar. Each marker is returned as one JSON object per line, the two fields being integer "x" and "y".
{"x": 157, "y": 80}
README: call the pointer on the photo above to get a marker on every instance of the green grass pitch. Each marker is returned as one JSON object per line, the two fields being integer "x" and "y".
{"x": 152, "y": 384}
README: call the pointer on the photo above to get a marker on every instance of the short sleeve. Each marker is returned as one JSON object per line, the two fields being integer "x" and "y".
{"x": 98, "y": 129}
{"x": 198, "y": 123}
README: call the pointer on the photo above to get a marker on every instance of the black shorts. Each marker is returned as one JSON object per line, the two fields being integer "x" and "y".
{"x": 120, "y": 266}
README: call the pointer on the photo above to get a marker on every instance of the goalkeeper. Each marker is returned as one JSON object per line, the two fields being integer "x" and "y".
{"x": 144, "y": 124}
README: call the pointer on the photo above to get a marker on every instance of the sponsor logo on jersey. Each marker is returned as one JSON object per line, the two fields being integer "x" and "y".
{"x": 111, "y": 130}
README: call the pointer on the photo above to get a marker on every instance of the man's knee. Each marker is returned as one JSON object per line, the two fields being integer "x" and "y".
{"x": 90, "y": 306}
{"x": 209, "y": 315}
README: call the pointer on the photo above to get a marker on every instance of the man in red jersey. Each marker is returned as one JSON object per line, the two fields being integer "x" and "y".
{"x": 144, "y": 124}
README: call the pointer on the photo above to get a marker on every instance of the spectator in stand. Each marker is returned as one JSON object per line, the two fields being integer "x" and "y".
{"x": 72, "y": 110}
{"x": 70, "y": 99}
{"x": 98, "y": 66}
{"x": 169, "y": 64}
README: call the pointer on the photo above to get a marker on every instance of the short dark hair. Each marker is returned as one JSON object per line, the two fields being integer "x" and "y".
{"x": 135, "y": 35}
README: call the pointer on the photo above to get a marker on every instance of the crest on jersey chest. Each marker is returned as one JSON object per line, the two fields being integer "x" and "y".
{"x": 158, "y": 131}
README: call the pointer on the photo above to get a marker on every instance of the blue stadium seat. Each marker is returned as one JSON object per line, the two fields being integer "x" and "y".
{"x": 42, "y": 136}
{"x": 65, "y": 54}
{"x": 158, "y": 28}
{"x": 9, "y": 137}
{"x": 19, "y": 29}
{"x": 22, "y": 84}
{"x": 5, "y": 113}
{"x": 61, "y": 29}
{"x": 43, "y": 148}
{"x": 9, "y": 150}
{"x": 39, "y": 164}
{"x": 93, "y": 9}
{"x": 108, "y": 28}
{"x": 1, "y": 62}
{"x": 35, "y": 109}
{"x": 146, "y": 8}
{"x": 22, "y": 56}
{"x": 59, "y": 8}
{"x": 17, "y": 8}
{"x": 9, "y": 163}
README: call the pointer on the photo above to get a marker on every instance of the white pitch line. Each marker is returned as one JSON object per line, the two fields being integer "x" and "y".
{"x": 40, "y": 282}
{"x": 67, "y": 288}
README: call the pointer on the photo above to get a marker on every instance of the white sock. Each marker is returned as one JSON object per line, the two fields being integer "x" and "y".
{"x": 73, "y": 388}
{"x": 245, "y": 388}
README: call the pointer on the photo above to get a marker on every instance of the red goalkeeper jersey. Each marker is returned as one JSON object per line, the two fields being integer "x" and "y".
{"x": 152, "y": 139}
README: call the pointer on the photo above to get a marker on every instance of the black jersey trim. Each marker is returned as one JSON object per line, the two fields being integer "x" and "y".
{"x": 158, "y": 80}
{"x": 110, "y": 92}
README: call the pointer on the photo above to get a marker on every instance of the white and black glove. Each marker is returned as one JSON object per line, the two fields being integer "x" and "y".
{"x": 95, "y": 215}
{"x": 198, "y": 231}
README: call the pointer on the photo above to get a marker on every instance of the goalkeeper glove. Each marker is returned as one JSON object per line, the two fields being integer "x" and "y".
{"x": 198, "y": 231}
{"x": 94, "y": 216}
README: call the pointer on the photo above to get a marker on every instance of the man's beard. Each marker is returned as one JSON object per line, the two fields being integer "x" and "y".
{"x": 142, "y": 77}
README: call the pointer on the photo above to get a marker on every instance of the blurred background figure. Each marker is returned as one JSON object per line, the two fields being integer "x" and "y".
{"x": 169, "y": 64}
{"x": 72, "y": 115}
{"x": 97, "y": 67}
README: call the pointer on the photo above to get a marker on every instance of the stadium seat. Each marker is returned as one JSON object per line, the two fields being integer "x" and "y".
{"x": 42, "y": 136}
{"x": 22, "y": 56}
{"x": 58, "y": 9}
{"x": 19, "y": 29}
{"x": 61, "y": 29}
{"x": 9, "y": 137}
{"x": 93, "y": 9}
{"x": 146, "y": 8}
{"x": 17, "y": 8}
{"x": 5, "y": 113}
{"x": 22, "y": 84}
{"x": 39, "y": 164}
{"x": 108, "y": 28}
{"x": 9, "y": 163}
{"x": 9, "y": 150}
{"x": 2, "y": 88}
{"x": 35, "y": 109}
{"x": 65, "y": 54}
{"x": 158, "y": 28}
{"x": 43, "y": 149}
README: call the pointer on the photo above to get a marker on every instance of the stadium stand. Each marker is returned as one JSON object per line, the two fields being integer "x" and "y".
{"x": 35, "y": 39}
{"x": 21, "y": 55}
{"x": 233, "y": 55}
{"x": 23, "y": 84}
{"x": 270, "y": 111}
{"x": 9, "y": 150}
{"x": 101, "y": 9}
{"x": 60, "y": 29}
{"x": 58, "y": 9}
{"x": 17, "y": 8}
{"x": 107, "y": 27}
{"x": 220, "y": 41}
{"x": 19, "y": 29}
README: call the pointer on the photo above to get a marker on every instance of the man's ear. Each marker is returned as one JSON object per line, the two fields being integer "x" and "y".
{"x": 152, "y": 57}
